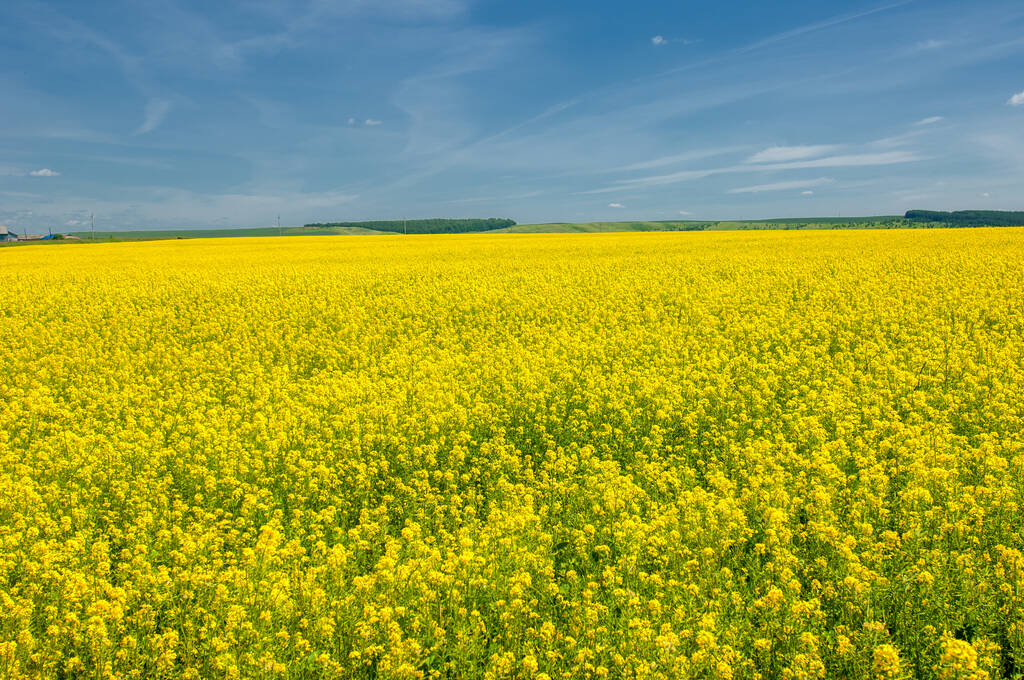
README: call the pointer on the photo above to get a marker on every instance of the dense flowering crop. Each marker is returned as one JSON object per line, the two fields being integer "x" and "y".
{"x": 734, "y": 455}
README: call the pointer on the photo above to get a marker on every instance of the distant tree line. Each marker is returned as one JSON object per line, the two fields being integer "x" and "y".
{"x": 433, "y": 226}
{"x": 969, "y": 218}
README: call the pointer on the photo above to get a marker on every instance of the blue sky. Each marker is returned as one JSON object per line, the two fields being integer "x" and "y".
{"x": 189, "y": 113}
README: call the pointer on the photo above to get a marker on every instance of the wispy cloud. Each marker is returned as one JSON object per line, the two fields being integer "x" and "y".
{"x": 783, "y": 37}
{"x": 851, "y": 160}
{"x": 782, "y": 186}
{"x": 931, "y": 120}
{"x": 44, "y": 172}
{"x": 840, "y": 161}
{"x": 682, "y": 158}
{"x": 67, "y": 30}
{"x": 20, "y": 194}
{"x": 297, "y": 26}
{"x": 902, "y": 139}
{"x": 1017, "y": 99}
{"x": 503, "y": 198}
{"x": 660, "y": 180}
{"x": 818, "y": 26}
{"x": 373, "y": 122}
{"x": 404, "y": 10}
{"x": 660, "y": 40}
{"x": 156, "y": 111}
{"x": 807, "y": 193}
{"x": 779, "y": 154}
{"x": 616, "y": 205}
{"x": 930, "y": 45}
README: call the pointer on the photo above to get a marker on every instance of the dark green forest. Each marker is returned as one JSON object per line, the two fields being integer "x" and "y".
{"x": 969, "y": 218}
{"x": 432, "y": 226}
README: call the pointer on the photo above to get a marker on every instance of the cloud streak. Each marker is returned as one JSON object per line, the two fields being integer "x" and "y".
{"x": 660, "y": 40}
{"x": 681, "y": 158}
{"x": 782, "y": 186}
{"x": 851, "y": 161}
{"x": 821, "y": 25}
{"x": 840, "y": 161}
{"x": 779, "y": 154}
{"x": 156, "y": 112}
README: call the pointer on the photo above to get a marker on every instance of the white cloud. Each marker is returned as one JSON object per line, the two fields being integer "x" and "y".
{"x": 1017, "y": 99}
{"x": 930, "y": 120}
{"x": 683, "y": 157}
{"x": 850, "y": 161}
{"x": 781, "y": 154}
{"x": 685, "y": 212}
{"x": 660, "y": 40}
{"x": 658, "y": 180}
{"x": 842, "y": 161}
{"x": 44, "y": 172}
{"x": 156, "y": 111}
{"x": 616, "y": 205}
{"x": 373, "y": 121}
{"x": 782, "y": 186}
{"x": 807, "y": 193}
{"x": 930, "y": 44}
{"x": 352, "y": 121}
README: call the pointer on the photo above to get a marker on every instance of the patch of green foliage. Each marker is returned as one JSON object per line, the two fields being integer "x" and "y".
{"x": 969, "y": 218}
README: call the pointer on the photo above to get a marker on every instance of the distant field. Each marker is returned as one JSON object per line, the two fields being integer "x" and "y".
{"x": 570, "y": 227}
{"x": 870, "y": 222}
{"x": 160, "y": 234}
{"x": 880, "y": 221}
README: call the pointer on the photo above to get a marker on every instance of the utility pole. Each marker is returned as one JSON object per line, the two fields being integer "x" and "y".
{"x": 92, "y": 225}
{"x": 279, "y": 233}
{"x": 405, "y": 226}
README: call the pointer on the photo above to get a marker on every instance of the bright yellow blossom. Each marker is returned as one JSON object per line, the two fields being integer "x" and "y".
{"x": 737, "y": 455}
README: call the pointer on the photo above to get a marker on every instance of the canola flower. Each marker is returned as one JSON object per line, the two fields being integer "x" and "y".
{"x": 717, "y": 455}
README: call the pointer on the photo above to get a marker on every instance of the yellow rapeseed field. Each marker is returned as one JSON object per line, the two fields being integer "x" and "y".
{"x": 714, "y": 455}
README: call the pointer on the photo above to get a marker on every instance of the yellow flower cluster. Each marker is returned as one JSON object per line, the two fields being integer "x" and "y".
{"x": 729, "y": 455}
